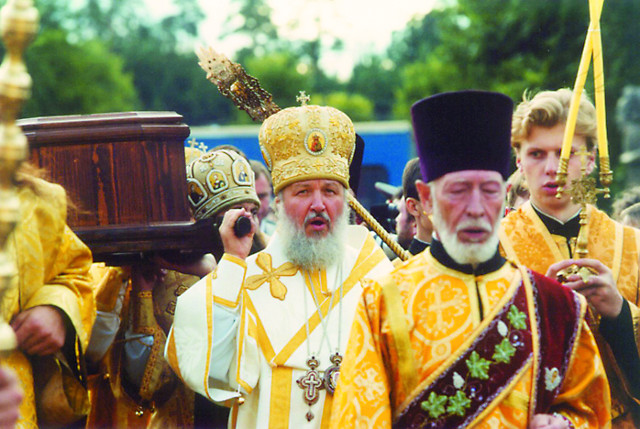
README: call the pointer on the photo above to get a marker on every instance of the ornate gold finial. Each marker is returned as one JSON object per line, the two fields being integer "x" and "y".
{"x": 192, "y": 143}
{"x": 303, "y": 98}
{"x": 234, "y": 83}
{"x": 18, "y": 26}
{"x": 583, "y": 191}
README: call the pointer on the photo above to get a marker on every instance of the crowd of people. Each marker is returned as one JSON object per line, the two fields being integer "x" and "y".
{"x": 300, "y": 319}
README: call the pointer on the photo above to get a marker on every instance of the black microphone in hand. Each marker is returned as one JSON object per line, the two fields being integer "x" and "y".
{"x": 242, "y": 226}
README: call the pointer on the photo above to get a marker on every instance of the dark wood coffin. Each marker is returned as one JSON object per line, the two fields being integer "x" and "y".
{"x": 126, "y": 173}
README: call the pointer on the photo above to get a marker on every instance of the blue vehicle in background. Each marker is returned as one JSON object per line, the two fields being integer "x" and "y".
{"x": 388, "y": 147}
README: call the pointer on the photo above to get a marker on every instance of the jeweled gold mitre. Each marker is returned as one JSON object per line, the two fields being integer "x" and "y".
{"x": 217, "y": 180}
{"x": 307, "y": 142}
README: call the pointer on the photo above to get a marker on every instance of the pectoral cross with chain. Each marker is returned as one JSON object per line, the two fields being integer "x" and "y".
{"x": 311, "y": 383}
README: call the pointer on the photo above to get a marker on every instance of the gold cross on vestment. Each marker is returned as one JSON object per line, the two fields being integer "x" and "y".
{"x": 272, "y": 276}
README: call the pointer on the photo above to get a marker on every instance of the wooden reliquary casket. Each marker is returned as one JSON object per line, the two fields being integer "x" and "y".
{"x": 126, "y": 174}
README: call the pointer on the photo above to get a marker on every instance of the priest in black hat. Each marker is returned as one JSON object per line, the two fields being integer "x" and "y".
{"x": 457, "y": 336}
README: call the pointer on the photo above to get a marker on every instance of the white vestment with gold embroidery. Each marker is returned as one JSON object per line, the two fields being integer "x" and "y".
{"x": 242, "y": 330}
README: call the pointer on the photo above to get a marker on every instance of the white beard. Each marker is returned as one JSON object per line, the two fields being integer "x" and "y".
{"x": 312, "y": 253}
{"x": 466, "y": 253}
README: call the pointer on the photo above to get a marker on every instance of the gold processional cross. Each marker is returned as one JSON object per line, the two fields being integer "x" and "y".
{"x": 583, "y": 191}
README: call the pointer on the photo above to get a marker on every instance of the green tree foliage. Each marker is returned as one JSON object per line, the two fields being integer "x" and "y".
{"x": 421, "y": 36}
{"x": 75, "y": 78}
{"x": 502, "y": 45}
{"x": 376, "y": 79}
{"x": 512, "y": 46}
{"x": 310, "y": 53}
{"x": 357, "y": 107}
{"x": 252, "y": 20}
{"x": 159, "y": 55}
{"x": 173, "y": 81}
{"x": 156, "y": 58}
{"x": 54, "y": 14}
{"x": 278, "y": 73}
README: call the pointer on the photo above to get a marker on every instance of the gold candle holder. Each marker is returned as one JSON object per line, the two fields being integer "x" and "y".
{"x": 561, "y": 176}
{"x": 18, "y": 26}
{"x": 583, "y": 191}
{"x": 606, "y": 175}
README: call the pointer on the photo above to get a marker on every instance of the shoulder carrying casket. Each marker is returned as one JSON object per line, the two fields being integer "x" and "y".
{"x": 126, "y": 173}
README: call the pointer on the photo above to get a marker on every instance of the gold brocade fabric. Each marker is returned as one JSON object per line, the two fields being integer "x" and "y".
{"x": 52, "y": 261}
{"x": 161, "y": 401}
{"x": 112, "y": 411}
{"x": 442, "y": 310}
{"x": 18, "y": 362}
{"x": 53, "y": 269}
{"x": 525, "y": 238}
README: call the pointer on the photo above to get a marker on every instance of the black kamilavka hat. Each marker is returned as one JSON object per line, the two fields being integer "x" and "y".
{"x": 465, "y": 130}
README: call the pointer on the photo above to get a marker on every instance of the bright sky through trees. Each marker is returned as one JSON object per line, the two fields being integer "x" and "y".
{"x": 364, "y": 26}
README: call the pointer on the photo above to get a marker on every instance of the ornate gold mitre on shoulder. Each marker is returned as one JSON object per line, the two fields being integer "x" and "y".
{"x": 307, "y": 142}
{"x": 218, "y": 180}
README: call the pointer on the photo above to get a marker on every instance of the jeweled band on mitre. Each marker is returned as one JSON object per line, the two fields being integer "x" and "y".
{"x": 217, "y": 180}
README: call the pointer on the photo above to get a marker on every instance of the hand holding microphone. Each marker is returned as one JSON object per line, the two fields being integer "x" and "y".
{"x": 242, "y": 226}
{"x": 236, "y": 232}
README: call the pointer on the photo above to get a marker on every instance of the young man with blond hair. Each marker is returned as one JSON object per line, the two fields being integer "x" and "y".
{"x": 542, "y": 233}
